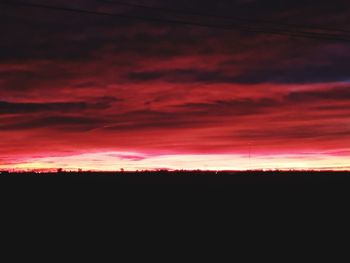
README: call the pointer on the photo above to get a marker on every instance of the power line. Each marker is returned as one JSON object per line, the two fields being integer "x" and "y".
{"x": 179, "y": 22}
{"x": 194, "y": 13}
{"x": 293, "y": 32}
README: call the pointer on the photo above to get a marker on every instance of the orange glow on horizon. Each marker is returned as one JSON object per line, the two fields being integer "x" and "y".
{"x": 114, "y": 161}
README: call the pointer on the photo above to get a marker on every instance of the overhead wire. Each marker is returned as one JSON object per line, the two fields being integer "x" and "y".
{"x": 282, "y": 30}
{"x": 240, "y": 19}
{"x": 179, "y": 22}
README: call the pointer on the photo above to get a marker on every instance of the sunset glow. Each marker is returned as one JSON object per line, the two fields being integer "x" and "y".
{"x": 110, "y": 161}
{"x": 102, "y": 93}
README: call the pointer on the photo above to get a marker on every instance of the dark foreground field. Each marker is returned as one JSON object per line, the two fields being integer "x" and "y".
{"x": 183, "y": 177}
{"x": 176, "y": 192}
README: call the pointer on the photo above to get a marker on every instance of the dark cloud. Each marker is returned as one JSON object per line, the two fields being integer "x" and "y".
{"x": 29, "y": 108}
{"x": 180, "y": 76}
{"x": 334, "y": 94}
{"x": 152, "y": 120}
{"x": 65, "y": 123}
{"x": 304, "y": 132}
{"x": 190, "y": 115}
{"x": 129, "y": 157}
{"x": 315, "y": 73}
{"x": 304, "y": 66}
{"x": 233, "y": 107}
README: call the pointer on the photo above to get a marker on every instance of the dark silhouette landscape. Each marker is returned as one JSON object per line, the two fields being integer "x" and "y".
{"x": 209, "y": 178}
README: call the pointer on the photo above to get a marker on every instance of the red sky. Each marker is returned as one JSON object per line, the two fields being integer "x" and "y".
{"x": 83, "y": 91}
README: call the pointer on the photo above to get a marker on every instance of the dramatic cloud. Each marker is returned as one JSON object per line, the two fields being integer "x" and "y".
{"x": 98, "y": 91}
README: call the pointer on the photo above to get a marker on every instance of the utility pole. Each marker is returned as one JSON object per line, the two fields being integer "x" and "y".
{"x": 250, "y": 149}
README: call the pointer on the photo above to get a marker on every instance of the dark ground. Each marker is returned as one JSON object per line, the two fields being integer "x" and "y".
{"x": 183, "y": 178}
{"x": 252, "y": 197}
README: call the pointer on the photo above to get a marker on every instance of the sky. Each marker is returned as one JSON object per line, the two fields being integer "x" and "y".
{"x": 105, "y": 93}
